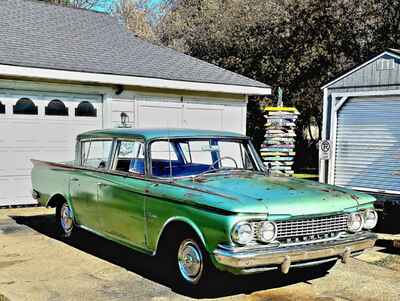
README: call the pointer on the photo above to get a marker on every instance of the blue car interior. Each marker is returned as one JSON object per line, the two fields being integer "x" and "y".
{"x": 137, "y": 166}
{"x": 161, "y": 168}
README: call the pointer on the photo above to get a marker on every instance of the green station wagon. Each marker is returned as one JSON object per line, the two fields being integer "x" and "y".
{"x": 202, "y": 201}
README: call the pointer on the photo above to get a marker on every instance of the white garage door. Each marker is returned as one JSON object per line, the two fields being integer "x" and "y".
{"x": 191, "y": 113}
{"x": 40, "y": 126}
{"x": 368, "y": 144}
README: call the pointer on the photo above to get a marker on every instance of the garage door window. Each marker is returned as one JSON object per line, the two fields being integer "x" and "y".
{"x": 25, "y": 106}
{"x": 2, "y": 108}
{"x": 56, "y": 108}
{"x": 85, "y": 109}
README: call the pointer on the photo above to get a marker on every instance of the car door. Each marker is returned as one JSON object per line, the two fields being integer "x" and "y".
{"x": 121, "y": 197}
{"x": 84, "y": 183}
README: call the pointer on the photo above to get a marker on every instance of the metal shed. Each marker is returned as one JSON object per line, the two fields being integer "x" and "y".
{"x": 361, "y": 121}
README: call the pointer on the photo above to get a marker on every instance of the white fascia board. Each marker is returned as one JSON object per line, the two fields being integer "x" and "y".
{"x": 359, "y": 67}
{"x": 74, "y": 76}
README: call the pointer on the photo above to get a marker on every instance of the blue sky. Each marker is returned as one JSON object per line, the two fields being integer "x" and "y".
{"x": 108, "y": 3}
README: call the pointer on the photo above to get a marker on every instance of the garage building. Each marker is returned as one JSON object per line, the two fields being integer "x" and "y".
{"x": 362, "y": 121}
{"x": 64, "y": 71}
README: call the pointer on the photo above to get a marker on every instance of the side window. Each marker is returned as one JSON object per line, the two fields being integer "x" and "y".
{"x": 131, "y": 150}
{"x": 96, "y": 153}
{"x": 163, "y": 150}
{"x": 25, "y": 106}
{"x": 232, "y": 150}
{"x": 2, "y": 108}
{"x": 85, "y": 109}
{"x": 130, "y": 157}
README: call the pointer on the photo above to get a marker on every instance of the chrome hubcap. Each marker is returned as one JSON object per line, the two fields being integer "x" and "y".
{"x": 190, "y": 261}
{"x": 66, "y": 218}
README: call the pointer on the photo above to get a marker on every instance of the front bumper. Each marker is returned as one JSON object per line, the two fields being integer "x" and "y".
{"x": 248, "y": 261}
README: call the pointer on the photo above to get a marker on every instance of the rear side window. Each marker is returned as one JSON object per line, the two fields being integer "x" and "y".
{"x": 130, "y": 157}
{"x": 96, "y": 154}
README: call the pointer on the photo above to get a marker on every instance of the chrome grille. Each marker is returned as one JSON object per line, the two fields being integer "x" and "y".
{"x": 311, "y": 229}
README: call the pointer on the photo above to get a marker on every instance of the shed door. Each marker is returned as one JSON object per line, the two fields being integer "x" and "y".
{"x": 40, "y": 126}
{"x": 368, "y": 144}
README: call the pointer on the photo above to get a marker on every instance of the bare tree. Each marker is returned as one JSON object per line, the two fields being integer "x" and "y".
{"x": 138, "y": 17}
{"x": 88, "y": 4}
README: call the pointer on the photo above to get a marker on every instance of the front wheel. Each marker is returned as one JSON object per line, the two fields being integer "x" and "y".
{"x": 190, "y": 261}
{"x": 187, "y": 260}
{"x": 65, "y": 220}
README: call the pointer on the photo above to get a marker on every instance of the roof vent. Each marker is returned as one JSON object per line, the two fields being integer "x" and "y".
{"x": 384, "y": 64}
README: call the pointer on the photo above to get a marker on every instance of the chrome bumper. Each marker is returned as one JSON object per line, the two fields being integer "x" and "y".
{"x": 258, "y": 260}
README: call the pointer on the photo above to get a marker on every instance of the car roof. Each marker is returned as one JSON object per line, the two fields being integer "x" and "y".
{"x": 154, "y": 133}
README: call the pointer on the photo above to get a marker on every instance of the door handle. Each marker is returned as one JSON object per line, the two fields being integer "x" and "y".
{"x": 74, "y": 180}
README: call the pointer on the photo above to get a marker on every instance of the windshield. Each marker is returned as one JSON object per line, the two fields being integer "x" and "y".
{"x": 191, "y": 157}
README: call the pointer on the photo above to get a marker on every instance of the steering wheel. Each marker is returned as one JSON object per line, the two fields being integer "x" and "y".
{"x": 212, "y": 166}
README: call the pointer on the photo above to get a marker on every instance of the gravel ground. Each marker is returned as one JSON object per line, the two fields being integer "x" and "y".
{"x": 34, "y": 265}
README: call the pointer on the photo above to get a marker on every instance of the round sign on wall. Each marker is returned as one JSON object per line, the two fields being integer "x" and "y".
{"x": 324, "y": 149}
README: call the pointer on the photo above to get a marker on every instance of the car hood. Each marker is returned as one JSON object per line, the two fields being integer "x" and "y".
{"x": 283, "y": 196}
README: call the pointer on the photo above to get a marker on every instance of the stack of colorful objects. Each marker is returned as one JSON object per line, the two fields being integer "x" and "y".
{"x": 277, "y": 150}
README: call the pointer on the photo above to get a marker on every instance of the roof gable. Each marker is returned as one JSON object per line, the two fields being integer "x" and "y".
{"x": 375, "y": 71}
{"x": 39, "y": 35}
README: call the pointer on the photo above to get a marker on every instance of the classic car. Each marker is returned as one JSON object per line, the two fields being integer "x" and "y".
{"x": 203, "y": 201}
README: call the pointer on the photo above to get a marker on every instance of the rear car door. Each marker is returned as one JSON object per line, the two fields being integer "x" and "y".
{"x": 121, "y": 197}
{"x": 84, "y": 184}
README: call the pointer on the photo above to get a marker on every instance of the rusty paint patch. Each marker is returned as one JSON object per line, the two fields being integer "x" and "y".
{"x": 200, "y": 180}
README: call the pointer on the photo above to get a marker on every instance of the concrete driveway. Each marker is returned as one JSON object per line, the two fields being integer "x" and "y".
{"x": 34, "y": 265}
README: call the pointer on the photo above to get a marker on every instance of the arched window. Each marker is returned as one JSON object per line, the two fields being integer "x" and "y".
{"x": 2, "y": 108}
{"x": 85, "y": 108}
{"x": 56, "y": 108}
{"x": 25, "y": 106}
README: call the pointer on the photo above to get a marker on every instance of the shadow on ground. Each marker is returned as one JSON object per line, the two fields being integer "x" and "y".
{"x": 148, "y": 267}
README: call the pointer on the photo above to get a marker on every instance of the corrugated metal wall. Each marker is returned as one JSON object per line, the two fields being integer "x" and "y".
{"x": 368, "y": 144}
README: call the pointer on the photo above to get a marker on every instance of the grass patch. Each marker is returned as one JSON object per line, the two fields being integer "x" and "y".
{"x": 306, "y": 176}
{"x": 390, "y": 262}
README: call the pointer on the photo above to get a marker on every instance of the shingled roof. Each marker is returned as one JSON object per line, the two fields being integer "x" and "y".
{"x": 41, "y": 35}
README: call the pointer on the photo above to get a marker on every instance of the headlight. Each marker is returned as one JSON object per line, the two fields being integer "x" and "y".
{"x": 242, "y": 233}
{"x": 267, "y": 231}
{"x": 355, "y": 222}
{"x": 370, "y": 219}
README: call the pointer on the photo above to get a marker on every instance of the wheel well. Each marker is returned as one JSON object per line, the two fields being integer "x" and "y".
{"x": 56, "y": 200}
{"x": 171, "y": 230}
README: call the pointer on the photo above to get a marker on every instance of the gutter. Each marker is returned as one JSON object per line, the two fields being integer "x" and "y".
{"x": 111, "y": 79}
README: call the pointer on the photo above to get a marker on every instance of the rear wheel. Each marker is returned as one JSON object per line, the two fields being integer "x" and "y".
{"x": 65, "y": 220}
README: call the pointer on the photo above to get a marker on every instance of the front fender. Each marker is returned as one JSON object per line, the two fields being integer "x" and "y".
{"x": 184, "y": 220}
